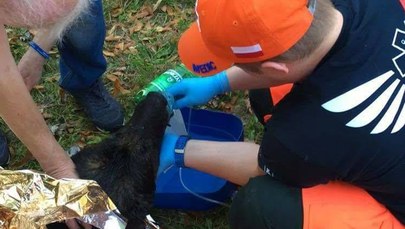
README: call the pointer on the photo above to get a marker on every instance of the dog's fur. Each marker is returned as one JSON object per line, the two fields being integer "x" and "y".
{"x": 126, "y": 163}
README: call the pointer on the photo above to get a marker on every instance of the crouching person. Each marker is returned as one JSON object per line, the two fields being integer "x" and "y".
{"x": 342, "y": 121}
{"x": 17, "y": 108}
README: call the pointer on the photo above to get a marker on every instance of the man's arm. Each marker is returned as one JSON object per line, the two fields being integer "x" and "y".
{"x": 40, "y": 13}
{"x": 31, "y": 64}
{"x": 233, "y": 161}
{"x": 238, "y": 162}
{"x": 23, "y": 117}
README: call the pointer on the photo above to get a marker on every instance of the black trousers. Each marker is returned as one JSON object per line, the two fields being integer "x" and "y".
{"x": 265, "y": 203}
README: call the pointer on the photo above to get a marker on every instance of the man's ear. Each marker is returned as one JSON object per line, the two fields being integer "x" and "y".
{"x": 276, "y": 66}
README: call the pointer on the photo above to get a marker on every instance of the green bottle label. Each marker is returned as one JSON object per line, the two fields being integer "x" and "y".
{"x": 164, "y": 81}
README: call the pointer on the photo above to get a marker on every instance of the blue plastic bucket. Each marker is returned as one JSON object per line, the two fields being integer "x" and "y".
{"x": 203, "y": 189}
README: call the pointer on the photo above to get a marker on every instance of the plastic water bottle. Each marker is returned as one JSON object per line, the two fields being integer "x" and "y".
{"x": 165, "y": 80}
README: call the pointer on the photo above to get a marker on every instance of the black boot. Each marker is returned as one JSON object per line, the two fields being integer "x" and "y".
{"x": 103, "y": 110}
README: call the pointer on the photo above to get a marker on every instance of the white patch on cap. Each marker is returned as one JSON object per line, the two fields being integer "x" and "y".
{"x": 246, "y": 49}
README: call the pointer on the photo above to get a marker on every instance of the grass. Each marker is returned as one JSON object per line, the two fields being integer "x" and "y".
{"x": 140, "y": 44}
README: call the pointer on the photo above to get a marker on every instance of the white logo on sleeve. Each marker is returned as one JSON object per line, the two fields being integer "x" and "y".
{"x": 395, "y": 114}
{"x": 268, "y": 171}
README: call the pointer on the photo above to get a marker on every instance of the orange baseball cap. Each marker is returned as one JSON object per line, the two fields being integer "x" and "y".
{"x": 242, "y": 31}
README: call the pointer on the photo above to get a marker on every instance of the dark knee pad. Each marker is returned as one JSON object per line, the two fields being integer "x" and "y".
{"x": 267, "y": 203}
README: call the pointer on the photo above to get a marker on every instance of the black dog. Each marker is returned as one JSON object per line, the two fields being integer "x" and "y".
{"x": 125, "y": 164}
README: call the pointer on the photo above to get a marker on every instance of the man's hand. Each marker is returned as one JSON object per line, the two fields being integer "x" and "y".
{"x": 198, "y": 91}
{"x": 30, "y": 67}
{"x": 62, "y": 171}
{"x": 67, "y": 170}
{"x": 71, "y": 223}
{"x": 31, "y": 64}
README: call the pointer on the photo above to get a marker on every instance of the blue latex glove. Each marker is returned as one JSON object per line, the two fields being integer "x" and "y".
{"x": 167, "y": 152}
{"x": 198, "y": 91}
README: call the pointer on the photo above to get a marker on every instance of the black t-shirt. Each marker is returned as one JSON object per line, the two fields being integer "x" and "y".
{"x": 346, "y": 121}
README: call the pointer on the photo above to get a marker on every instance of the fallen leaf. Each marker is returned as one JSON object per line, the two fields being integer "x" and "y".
{"x": 148, "y": 26}
{"x": 109, "y": 54}
{"x": 118, "y": 73}
{"x": 53, "y": 52}
{"x": 85, "y": 133}
{"x": 143, "y": 12}
{"x": 62, "y": 95}
{"x": 47, "y": 115}
{"x": 113, "y": 37}
{"x": 119, "y": 89}
{"x": 51, "y": 79}
{"x": 129, "y": 44}
{"x": 132, "y": 50}
{"x": 137, "y": 27}
{"x": 121, "y": 68}
{"x": 111, "y": 31}
{"x": 112, "y": 77}
{"x": 116, "y": 12}
{"x": 39, "y": 87}
{"x": 81, "y": 144}
{"x": 160, "y": 29}
{"x": 170, "y": 11}
{"x": 119, "y": 46}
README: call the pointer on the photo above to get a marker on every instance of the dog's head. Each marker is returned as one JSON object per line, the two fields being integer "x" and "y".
{"x": 152, "y": 114}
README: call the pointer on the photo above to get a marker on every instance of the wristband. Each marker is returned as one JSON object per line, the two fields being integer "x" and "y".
{"x": 179, "y": 151}
{"x": 39, "y": 50}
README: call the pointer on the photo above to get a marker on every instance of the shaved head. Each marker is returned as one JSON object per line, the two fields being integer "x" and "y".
{"x": 56, "y": 15}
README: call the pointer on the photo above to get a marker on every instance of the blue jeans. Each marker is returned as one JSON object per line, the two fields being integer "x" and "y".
{"x": 81, "y": 50}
